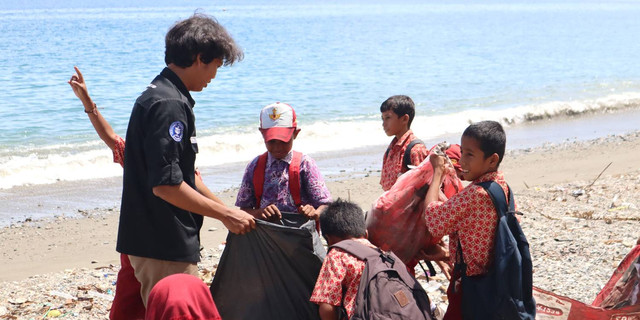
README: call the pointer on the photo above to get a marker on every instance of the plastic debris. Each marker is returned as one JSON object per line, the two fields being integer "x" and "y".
{"x": 62, "y": 295}
{"x": 54, "y": 313}
{"x": 99, "y": 295}
{"x": 577, "y": 193}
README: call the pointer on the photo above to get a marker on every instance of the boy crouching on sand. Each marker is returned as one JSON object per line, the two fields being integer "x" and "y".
{"x": 339, "y": 278}
{"x": 469, "y": 217}
{"x": 281, "y": 180}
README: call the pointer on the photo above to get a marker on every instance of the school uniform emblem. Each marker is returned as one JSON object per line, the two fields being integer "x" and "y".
{"x": 274, "y": 116}
{"x": 176, "y": 131}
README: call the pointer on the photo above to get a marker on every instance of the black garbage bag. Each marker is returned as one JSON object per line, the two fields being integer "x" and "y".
{"x": 269, "y": 273}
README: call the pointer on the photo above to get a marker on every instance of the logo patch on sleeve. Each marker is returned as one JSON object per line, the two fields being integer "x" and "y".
{"x": 176, "y": 131}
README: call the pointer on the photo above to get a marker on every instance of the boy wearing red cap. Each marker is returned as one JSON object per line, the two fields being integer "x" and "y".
{"x": 281, "y": 180}
{"x": 397, "y": 115}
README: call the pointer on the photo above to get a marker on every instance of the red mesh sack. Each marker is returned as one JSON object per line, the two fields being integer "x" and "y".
{"x": 396, "y": 220}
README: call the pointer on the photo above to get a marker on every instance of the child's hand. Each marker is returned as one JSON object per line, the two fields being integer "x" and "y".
{"x": 445, "y": 268}
{"x": 308, "y": 211}
{"x": 437, "y": 252}
{"x": 437, "y": 162}
{"x": 79, "y": 86}
{"x": 271, "y": 212}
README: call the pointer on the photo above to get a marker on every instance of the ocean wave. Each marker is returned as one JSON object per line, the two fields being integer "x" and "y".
{"x": 556, "y": 109}
{"x": 50, "y": 167}
{"x": 93, "y": 160}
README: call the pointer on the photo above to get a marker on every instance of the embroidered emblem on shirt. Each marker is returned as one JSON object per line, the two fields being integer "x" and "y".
{"x": 274, "y": 116}
{"x": 176, "y": 130}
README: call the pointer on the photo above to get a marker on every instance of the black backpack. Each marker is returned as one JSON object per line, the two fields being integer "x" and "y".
{"x": 406, "y": 158}
{"x": 386, "y": 290}
{"x": 506, "y": 291}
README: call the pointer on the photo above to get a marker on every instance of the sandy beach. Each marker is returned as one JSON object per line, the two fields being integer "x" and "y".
{"x": 579, "y": 228}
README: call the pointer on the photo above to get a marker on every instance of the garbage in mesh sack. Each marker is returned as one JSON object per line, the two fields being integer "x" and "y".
{"x": 396, "y": 220}
{"x": 269, "y": 273}
{"x": 618, "y": 300}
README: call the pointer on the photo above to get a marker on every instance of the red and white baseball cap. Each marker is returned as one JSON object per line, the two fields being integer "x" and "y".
{"x": 278, "y": 121}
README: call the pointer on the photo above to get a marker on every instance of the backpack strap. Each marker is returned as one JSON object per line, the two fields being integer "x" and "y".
{"x": 498, "y": 198}
{"x": 294, "y": 177}
{"x": 357, "y": 249}
{"x": 499, "y": 202}
{"x": 406, "y": 159}
{"x": 366, "y": 253}
{"x": 258, "y": 178}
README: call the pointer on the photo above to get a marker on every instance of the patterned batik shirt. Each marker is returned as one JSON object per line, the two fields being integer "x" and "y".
{"x": 118, "y": 151}
{"x": 313, "y": 190}
{"x": 340, "y": 273}
{"x": 392, "y": 163}
{"x": 470, "y": 217}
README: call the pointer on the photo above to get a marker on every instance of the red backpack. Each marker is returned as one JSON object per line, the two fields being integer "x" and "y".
{"x": 294, "y": 177}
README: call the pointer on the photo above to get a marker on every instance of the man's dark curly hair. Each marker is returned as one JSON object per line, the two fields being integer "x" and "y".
{"x": 200, "y": 35}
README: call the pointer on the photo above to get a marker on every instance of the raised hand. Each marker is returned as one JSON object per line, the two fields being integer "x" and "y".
{"x": 80, "y": 87}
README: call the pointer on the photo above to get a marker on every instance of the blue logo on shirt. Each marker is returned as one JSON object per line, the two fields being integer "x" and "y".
{"x": 176, "y": 130}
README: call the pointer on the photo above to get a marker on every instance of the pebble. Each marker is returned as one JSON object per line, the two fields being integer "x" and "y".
{"x": 591, "y": 242}
{"x": 18, "y": 301}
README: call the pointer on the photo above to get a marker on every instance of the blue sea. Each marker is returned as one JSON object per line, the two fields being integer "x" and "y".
{"x": 521, "y": 63}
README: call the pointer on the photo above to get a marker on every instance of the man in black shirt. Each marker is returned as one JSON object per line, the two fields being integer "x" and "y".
{"x": 162, "y": 211}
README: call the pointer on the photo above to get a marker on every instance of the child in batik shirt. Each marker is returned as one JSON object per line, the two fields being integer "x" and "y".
{"x": 339, "y": 278}
{"x": 469, "y": 217}
{"x": 278, "y": 125}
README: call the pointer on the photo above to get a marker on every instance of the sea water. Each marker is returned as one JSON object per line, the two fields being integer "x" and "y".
{"x": 334, "y": 62}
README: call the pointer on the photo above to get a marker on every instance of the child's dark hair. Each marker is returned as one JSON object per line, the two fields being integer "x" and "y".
{"x": 200, "y": 35}
{"x": 343, "y": 219}
{"x": 400, "y": 105}
{"x": 491, "y": 137}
